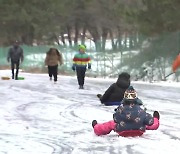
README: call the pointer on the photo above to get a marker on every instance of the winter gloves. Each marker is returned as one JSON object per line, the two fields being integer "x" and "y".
{"x": 74, "y": 67}
{"x": 89, "y": 66}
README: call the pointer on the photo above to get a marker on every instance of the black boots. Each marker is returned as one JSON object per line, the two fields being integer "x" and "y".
{"x": 16, "y": 77}
{"x": 94, "y": 122}
{"x": 81, "y": 87}
{"x": 156, "y": 115}
{"x": 99, "y": 96}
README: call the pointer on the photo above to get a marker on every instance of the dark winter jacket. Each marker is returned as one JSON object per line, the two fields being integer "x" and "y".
{"x": 115, "y": 93}
{"x": 15, "y": 54}
{"x": 131, "y": 117}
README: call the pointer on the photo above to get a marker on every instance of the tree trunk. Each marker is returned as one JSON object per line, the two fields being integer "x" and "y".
{"x": 62, "y": 39}
{"x": 119, "y": 41}
{"x": 104, "y": 37}
{"x": 112, "y": 40}
{"x": 120, "y": 46}
{"x": 56, "y": 39}
{"x": 76, "y": 34}
{"x": 130, "y": 42}
{"x": 28, "y": 36}
{"x": 69, "y": 35}
{"x": 125, "y": 41}
{"x": 83, "y": 35}
{"x": 96, "y": 38}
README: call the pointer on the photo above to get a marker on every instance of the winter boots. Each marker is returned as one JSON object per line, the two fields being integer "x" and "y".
{"x": 156, "y": 115}
{"x": 99, "y": 96}
{"x": 94, "y": 122}
{"x": 81, "y": 87}
{"x": 16, "y": 76}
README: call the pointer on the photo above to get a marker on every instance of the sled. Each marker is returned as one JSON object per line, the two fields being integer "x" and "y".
{"x": 108, "y": 103}
{"x": 167, "y": 76}
{"x": 130, "y": 133}
{"x": 5, "y": 78}
{"x": 21, "y": 78}
{"x": 113, "y": 103}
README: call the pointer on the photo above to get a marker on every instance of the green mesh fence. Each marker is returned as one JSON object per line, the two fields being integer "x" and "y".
{"x": 34, "y": 57}
{"x": 132, "y": 54}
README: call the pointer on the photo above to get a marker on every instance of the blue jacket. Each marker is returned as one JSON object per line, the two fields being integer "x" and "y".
{"x": 131, "y": 117}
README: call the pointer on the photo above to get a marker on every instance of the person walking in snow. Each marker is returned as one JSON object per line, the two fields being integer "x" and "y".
{"x": 115, "y": 93}
{"x": 129, "y": 117}
{"x": 81, "y": 61}
{"x": 15, "y": 56}
{"x": 53, "y": 58}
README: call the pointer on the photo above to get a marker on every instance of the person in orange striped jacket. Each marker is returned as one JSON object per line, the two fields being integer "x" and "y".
{"x": 81, "y": 61}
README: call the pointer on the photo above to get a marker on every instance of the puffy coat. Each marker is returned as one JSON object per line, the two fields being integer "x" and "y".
{"x": 81, "y": 60}
{"x": 115, "y": 93}
{"x": 131, "y": 117}
{"x": 52, "y": 58}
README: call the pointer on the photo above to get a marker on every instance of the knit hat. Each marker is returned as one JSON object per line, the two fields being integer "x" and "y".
{"x": 130, "y": 94}
{"x": 124, "y": 75}
{"x": 82, "y": 47}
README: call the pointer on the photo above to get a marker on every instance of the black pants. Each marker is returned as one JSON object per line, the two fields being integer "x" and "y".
{"x": 80, "y": 75}
{"x": 13, "y": 64}
{"x": 52, "y": 71}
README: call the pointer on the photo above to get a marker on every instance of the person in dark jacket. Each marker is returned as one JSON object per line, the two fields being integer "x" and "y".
{"x": 15, "y": 56}
{"x": 128, "y": 117}
{"x": 81, "y": 61}
{"x": 115, "y": 93}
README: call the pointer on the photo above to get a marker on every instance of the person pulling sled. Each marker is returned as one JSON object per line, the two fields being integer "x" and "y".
{"x": 16, "y": 57}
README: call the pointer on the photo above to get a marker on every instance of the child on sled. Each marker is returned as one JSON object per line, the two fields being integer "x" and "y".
{"x": 115, "y": 93}
{"x": 129, "y": 119}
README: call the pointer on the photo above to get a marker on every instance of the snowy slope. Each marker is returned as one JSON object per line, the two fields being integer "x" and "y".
{"x": 40, "y": 117}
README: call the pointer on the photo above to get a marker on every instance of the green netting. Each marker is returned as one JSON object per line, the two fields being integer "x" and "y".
{"x": 129, "y": 54}
{"x": 34, "y": 56}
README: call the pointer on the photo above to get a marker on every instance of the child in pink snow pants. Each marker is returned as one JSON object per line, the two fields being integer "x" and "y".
{"x": 128, "y": 117}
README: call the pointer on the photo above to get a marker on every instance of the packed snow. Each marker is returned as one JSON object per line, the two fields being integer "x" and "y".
{"x": 38, "y": 116}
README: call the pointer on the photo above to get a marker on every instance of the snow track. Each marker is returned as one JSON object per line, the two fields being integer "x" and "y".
{"x": 40, "y": 117}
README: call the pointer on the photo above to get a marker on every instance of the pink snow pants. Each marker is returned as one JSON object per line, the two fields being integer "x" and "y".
{"x": 154, "y": 126}
{"x": 107, "y": 127}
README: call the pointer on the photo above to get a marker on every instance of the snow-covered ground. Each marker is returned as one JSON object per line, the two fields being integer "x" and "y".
{"x": 40, "y": 117}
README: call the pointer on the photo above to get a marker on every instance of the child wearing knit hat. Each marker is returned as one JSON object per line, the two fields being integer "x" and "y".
{"x": 129, "y": 118}
{"x": 81, "y": 62}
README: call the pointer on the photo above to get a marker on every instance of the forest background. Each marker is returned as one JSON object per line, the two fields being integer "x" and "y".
{"x": 121, "y": 35}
